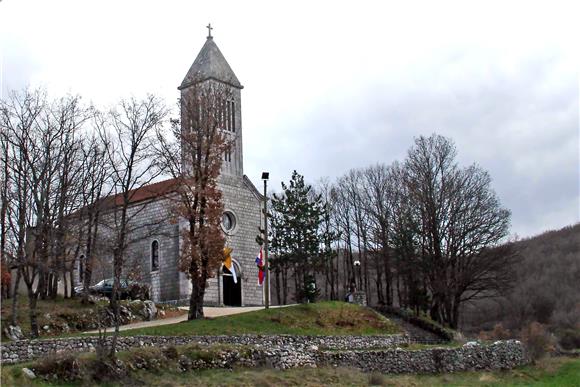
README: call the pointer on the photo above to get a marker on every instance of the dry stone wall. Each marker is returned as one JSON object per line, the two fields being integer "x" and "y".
{"x": 368, "y": 353}
{"x": 25, "y": 350}
{"x": 470, "y": 357}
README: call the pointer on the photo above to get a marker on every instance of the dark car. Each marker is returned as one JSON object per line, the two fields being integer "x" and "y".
{"x": 105, "y": 288}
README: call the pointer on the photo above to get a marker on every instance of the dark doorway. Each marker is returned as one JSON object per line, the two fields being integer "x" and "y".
{"x": 232, "y": 290}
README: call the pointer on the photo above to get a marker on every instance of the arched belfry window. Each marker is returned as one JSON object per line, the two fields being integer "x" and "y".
{"x": 154, "y": 256}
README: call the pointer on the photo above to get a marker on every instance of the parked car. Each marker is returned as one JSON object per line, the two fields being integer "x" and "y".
{"x": 128, "y": 289}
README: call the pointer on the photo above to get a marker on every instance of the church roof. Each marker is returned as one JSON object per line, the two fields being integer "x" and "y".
{"x": 210, "y": 64}
{"x": 149, "y": 191}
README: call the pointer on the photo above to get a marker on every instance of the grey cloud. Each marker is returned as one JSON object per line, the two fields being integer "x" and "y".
{"x": 524, "y": 133}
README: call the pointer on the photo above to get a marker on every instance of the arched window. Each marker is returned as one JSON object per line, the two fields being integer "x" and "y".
{"x": 154, "y": 256}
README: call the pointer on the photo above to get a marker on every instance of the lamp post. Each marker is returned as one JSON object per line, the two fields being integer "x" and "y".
{"x": 357, "y": 271}
{"x": 265, "y": 176}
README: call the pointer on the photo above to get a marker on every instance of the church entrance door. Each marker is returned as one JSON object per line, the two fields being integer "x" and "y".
{"x": 232, "y": 291}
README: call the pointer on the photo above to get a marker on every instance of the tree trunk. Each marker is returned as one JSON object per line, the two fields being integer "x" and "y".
{"x": 278, "y": 284}
{"x": 65, "y": 283}
{"x": 196, "y": 301}
{"x": 32, "y": 301}
{"x": 14, "y": 319}
{"x": 285, "y": 284}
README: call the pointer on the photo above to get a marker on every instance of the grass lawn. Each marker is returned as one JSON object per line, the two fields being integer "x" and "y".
{"x": 557, "y": 372}
{"x": 322, "y": 318}
{"x": 561, "y": 372}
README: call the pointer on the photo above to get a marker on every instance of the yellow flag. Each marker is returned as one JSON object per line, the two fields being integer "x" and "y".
{"x": 229, "y": 264}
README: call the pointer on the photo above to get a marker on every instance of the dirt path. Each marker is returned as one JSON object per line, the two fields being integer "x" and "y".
{"x": 209, "y": 311}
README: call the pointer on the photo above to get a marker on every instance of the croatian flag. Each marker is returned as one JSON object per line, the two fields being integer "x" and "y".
{"x": 260, "y": 264}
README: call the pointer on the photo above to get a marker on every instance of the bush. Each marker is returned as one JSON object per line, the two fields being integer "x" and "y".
{"x": 498, "y": 333}
{"x": 377, "y": 379}
{"x": 103, "y": 370}
{"x": 570, "y": 339}
{"x": 538, "y": 340}
{"x": 62, "y": 367}
{"x": 308, "y": 292}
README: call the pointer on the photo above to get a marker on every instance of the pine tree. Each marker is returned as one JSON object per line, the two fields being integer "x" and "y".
{"x": 297, "y": 239}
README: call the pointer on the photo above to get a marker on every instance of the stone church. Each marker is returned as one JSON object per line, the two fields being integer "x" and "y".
{"x": 158, "y": 252}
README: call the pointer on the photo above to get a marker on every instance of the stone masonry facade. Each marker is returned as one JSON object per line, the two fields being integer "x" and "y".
{"x": 153, "y": 221}
{"x": 243, "y": 201}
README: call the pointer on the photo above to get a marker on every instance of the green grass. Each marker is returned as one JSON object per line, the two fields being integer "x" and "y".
{"x": 323, "y": 318}
{"x": 562, "y": 372}
{"x": 556, "y": 372}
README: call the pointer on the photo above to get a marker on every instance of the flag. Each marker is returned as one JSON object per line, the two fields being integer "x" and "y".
{"x": 260, "y": 264}
{"x": 229, "y": 264}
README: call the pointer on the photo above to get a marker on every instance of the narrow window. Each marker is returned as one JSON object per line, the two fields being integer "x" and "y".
{"x": 233, "y": 117}
{"x": 228, "y": 123}
{"x": 154, "y": 256}
{"x": 223, "y": 114}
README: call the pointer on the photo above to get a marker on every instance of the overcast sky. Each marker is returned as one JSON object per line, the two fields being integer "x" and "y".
{"x": 331, "y": 86}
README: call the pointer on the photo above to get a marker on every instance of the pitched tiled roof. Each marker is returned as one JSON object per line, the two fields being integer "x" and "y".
{"x": 150, "y": 191}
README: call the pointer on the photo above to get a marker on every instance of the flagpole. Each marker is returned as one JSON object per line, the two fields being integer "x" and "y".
{"x": 265, "y": 176}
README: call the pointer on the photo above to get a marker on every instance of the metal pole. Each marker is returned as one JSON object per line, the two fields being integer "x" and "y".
{"x": 266, "y": 268}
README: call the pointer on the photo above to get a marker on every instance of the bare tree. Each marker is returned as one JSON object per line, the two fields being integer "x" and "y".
{"x": 193, "y": 156}
{"x": 460, "y": 219}
{"x": 67, "y": 116}
{"x": 4, "y": 211}
{"x": 127, "y": 133}
{"x": 41, "y": 141}
{"x": 20, "y": 113}
{"x": 95, "y": 179}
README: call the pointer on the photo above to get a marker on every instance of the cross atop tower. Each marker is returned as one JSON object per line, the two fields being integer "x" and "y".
{"x": 209, "y": 28}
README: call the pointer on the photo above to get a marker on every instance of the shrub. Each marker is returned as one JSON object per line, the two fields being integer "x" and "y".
{"x": 537, "y": 339}
{"x": 62, "y": 367}
{"x": 308, "y": 292}
{"x": 377, "y": 379}
{"x": 498, "y": 333}
{"x": 570, "y": 339}
{"x": 103, "y": 370}
{"x": 171, "y": 352}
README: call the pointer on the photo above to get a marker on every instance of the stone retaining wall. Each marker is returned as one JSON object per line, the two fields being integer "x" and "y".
{"x": 471, "y": 357}
{"x": 282, "y": 352}
{"x": 24, "y": 350}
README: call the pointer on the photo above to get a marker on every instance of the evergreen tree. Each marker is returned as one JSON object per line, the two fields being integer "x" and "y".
{"x": 297, "y": 236}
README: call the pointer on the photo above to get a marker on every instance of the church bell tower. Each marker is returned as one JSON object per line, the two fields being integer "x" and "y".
{"x": 211, "y": 66}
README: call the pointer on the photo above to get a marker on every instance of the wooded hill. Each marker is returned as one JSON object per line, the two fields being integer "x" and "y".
{"x": 546, "y": 286}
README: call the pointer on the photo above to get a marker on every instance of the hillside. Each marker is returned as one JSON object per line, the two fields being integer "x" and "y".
{"x": 546, "y": 286}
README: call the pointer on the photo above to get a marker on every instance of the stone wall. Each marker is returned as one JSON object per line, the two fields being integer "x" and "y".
{"x": 25, "y": 350}
{"x": 470, "y": 357}
{"x": 284, "y": 352}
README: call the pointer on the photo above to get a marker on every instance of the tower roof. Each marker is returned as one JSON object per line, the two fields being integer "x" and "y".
{"x": 210, "y": 64}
